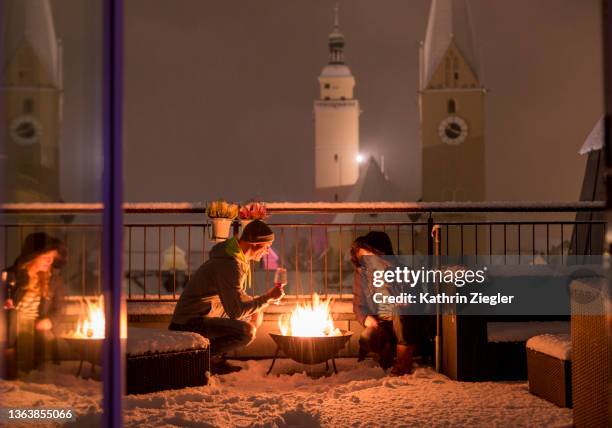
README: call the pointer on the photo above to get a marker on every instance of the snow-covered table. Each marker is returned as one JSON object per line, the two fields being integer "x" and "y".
{"x": 162, "y": 359}
{"x": 549, "y": 368}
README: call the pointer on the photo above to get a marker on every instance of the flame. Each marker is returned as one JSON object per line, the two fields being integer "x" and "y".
{"x": 92, "y": 326}
{"x": 309, "y": 320}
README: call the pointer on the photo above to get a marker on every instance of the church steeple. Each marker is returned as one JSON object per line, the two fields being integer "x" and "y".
{"x": 28, "y": 30}
{"x": 336, "y": 40}
{"x": 32, "y": 94}
{"x": 449, "y": 28}
{"x": 451, "y": 105}
{"x": 336, "y": 80}
{"x": 336, "y": 119}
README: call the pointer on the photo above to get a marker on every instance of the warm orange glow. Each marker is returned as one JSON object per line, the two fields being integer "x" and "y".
{"x": 91, "y": 323}
{"x": 309, "y": 320}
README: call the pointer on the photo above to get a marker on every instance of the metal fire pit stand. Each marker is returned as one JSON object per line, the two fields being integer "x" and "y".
{"x": 310, "y": 350}
{"x": 88, "y": 350}
{"x": 333, "y": 360}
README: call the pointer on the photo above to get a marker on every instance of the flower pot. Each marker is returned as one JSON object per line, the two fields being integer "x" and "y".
{"x": 220, "y": 228}
{"x": 244, "y": 222}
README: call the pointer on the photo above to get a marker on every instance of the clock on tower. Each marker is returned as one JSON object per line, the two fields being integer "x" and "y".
{"x": 451, "y": 102}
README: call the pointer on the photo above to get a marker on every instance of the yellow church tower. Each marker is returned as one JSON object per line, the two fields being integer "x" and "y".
{"x": 336, "y": 122}
{"x": 32, "y": 102}
{"x": 451, "y": 103}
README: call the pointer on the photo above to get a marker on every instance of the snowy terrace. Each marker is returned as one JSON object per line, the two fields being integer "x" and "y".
{"x": 361, "y": 395}
{"x": 165, "y": 243}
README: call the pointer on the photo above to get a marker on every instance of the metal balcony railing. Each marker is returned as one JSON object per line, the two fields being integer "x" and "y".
{"x": 160, "y": 257}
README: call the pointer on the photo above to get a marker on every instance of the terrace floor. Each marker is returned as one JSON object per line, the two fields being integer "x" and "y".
{"x": 361, "y": 395}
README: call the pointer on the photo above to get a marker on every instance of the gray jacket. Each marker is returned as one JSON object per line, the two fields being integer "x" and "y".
{"x": 217, "y": 288}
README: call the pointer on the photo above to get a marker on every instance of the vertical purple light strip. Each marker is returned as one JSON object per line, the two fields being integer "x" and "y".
{"x": 112, "y": 227}
{"x": 3, "y": 188}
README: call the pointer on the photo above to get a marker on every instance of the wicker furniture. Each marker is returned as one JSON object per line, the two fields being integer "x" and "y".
{"x": 160, "y": 359}
{"x": 592, "y": 356}
{"x": 167, "y": 370}
{"x": 549, "y": 368}
{"x": 469, "y": 353}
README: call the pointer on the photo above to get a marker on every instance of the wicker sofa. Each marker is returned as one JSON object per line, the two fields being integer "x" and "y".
{"x": 160, "y": 359}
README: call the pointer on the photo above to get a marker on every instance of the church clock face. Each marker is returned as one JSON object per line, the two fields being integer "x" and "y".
{"x": 453, "y": 130}
{"x": 25, "y": 130}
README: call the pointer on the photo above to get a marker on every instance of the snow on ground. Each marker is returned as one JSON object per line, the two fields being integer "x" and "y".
{"x": 361, "y": 395}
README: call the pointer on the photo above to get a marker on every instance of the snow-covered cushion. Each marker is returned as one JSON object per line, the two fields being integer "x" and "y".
{"x": 556, "y": 345}
{"x": 153, "y": 340}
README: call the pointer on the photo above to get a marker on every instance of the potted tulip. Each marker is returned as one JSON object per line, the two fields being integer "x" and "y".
{"x": 252, "y": 211}
{"x": 221, "y": 214}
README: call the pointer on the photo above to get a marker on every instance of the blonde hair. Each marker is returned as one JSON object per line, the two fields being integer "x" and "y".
{"x": 38, "y": 283}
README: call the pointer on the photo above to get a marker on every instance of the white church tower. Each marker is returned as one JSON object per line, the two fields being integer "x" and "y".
{"x": 336, "y": 116}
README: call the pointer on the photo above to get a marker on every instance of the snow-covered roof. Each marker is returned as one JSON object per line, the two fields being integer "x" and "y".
{"x": 449, "y": 20}
{"x": 595, "y": 139}
{"x": 32, "y": 20}
{"x": 372, "y": 186}
{"x": 336, "y": 70}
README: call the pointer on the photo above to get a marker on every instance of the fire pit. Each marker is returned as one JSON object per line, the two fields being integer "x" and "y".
{"x": 308, "y": 336}
{"x": 88, "y": 350}
{"x": 86, "y": 340}
{"x": 310, "y": 350}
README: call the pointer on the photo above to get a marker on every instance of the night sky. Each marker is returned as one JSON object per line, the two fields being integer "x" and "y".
{"x": 219, "y": 95}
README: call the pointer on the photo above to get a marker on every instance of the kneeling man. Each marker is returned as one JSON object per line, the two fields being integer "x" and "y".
{"x": 215, "y": 303}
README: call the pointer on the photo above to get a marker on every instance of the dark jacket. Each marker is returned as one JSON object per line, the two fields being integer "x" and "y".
{"x": 218, "y": 288}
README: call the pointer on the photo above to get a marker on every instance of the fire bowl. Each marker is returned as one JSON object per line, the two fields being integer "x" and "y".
{"x": 88, "y": 349}
{"x": 311, "y": 350}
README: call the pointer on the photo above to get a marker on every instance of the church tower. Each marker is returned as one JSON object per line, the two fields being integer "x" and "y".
{"x": 32, "y": 97}
{"x": 336, "y": 121}
{"x": 451, "y": 103}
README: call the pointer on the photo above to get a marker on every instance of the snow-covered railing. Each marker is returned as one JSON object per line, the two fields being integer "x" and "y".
{"x": 159, "y": 258}
{"x": 311, "y": 207}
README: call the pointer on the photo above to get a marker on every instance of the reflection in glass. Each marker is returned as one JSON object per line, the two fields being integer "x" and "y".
{"x": 51, "y": 263}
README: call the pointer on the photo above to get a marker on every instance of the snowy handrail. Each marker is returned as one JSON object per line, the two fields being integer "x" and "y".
{"x": 310, "y": 207}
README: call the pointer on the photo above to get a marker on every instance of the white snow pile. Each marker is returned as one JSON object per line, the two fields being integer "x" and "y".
{"x": 555, "y": 345}
{"x": 151, "y": 340}
{"x": 360, "y": 395}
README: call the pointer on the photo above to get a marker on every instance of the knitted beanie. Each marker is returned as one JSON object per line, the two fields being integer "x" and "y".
{"x": 257, "y": 232}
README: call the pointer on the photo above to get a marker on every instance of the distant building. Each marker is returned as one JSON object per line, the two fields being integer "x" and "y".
{"x": 32, "y": 102}
{"x": 336, "y": 121}
{"x": 374, "y": 186}
{"x": 588, "y": 238}
{"x": 451, "y": 103}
